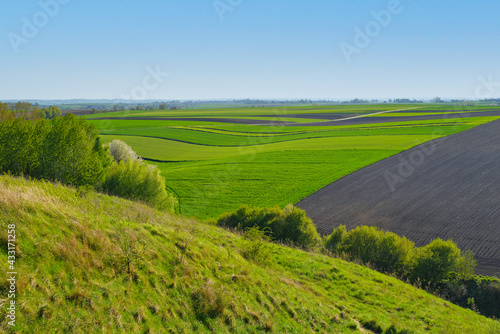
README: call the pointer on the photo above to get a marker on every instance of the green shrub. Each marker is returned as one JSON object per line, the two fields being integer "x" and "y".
{"x": 137, "y": 180}
{"x": 289, "y": 225}
{"x": 334, "y": 241}
{"x": 256, "y": 247}
{"x": 436, "y": 261}
{"x": 209, "y": 300}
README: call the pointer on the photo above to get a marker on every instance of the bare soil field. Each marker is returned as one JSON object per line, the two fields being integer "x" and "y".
{"x": 448, "y": 188}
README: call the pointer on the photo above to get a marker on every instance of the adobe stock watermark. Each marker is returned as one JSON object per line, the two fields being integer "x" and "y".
{"x": 224, "y": 6}
{"x": 414, "y": 158}
{"x": 372, "y": 29}
{"x": 151, "y": 81}
{"x": 486, "y": 87}
{"x": 31, "y": 26}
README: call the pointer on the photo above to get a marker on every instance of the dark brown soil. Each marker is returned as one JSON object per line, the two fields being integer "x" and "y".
{"x": 448, "y": 188}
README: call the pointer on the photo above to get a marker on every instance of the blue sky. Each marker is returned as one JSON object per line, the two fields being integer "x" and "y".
{"x": 247, "y": 49}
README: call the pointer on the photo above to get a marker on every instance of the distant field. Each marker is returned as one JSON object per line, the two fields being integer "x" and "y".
{"x": 217, "y": 166}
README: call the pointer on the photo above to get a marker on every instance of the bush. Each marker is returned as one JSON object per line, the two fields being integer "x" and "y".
{"x": 120, "y": 151}
{"x": 137, "y": 180}
{"x": 256, "y": 248}
{"x": 288, "y": 225}
{"x": 436, "y": 261}
{"x": 334, "y": 241}
{"x": 209, "y": 300}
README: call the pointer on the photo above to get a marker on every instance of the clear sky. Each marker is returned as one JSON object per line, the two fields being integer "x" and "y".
{"x": 248, "y": 49}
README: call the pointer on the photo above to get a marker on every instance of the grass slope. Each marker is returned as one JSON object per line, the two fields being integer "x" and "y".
{"x": 191, "y": 277}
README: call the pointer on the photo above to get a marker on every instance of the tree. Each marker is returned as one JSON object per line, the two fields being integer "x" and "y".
{"x": 26, "y": 110}
{"x": 120, "y": 151}
{"x": 436, "y": 261}
{"x": 334, "y": 241}
{"x": 75, "y": 154}
{"x": 5, "y": 112}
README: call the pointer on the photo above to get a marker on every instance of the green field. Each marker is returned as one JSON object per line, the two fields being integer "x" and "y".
{"x": 215, "y": 167}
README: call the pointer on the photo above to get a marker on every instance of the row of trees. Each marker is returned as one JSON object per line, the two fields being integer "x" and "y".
{"x": 23, "y": 109}
{"x": 66, "y": 149}
{"x": 387, "y": 252}
{"x": 69, "y": 150}
{"x": 383, "y": 250}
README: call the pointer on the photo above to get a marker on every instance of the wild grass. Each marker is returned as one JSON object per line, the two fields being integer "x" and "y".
{"x": 190, "y": 277}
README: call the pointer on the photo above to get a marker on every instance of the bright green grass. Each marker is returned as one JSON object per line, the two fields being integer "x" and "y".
{"x": 106, "y": 125}
{"x": 270, "y": 111}
{"x": 168, "y": 150}
{"x": 230, "y": 138}
{"x": 457, "y": 122}
{"x": 70, "y": 277}
{"x": 208, "y": 189}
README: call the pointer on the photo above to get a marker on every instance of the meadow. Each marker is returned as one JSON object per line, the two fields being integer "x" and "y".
{"x": 214, "y": 164}
{"x": 117, "y": 266}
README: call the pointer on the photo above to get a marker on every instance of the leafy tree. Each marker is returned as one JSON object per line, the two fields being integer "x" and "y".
{"x": 436, "y": 261}
{"x": 120, "y": 151}
{"x": 5, "y": 112}
{"x": 288, "y": 225}
{"x": 334, "y": 241}
{"x": 26, "y": 110}
{"x": 75, "y": 154}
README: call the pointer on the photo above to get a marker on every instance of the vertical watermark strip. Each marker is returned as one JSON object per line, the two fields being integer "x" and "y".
{"x": 11, "y": 274}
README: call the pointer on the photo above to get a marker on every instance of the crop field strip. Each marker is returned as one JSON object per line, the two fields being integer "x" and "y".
{"x": 224, "y": 165}
{"x": 453, "y": 194}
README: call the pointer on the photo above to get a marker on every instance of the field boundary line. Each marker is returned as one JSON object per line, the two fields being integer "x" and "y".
{"x": 359, "y": 116}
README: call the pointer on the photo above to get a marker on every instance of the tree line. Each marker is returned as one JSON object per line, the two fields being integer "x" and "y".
{"x": 69, "y": 150}
{"x": 24, "y": 109}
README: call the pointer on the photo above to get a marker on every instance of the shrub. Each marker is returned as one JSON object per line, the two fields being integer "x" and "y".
{"x": 334, "y": 241}
{"x": 288, "y": 225}
{"x": 386, "y": 251}
{"x": 120, "y": 151}
{"x": 436, "y": 261}
{"x": 256, "y": 248}
{"x": 137, "y": 180}
{"x": 209, "y": 300}
{"x": 362, "y": 243}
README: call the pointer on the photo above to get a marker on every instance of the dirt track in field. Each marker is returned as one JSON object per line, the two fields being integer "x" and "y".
{"x": 329, "y": 118}
{"x": 344, "y": 119}
{"x": 448, "y": 188}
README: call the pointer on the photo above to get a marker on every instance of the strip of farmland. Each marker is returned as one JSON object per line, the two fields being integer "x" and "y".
{"x": 448, "y": 188}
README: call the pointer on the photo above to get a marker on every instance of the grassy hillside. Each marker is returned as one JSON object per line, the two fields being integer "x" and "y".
{"x": 183, "y": 276}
